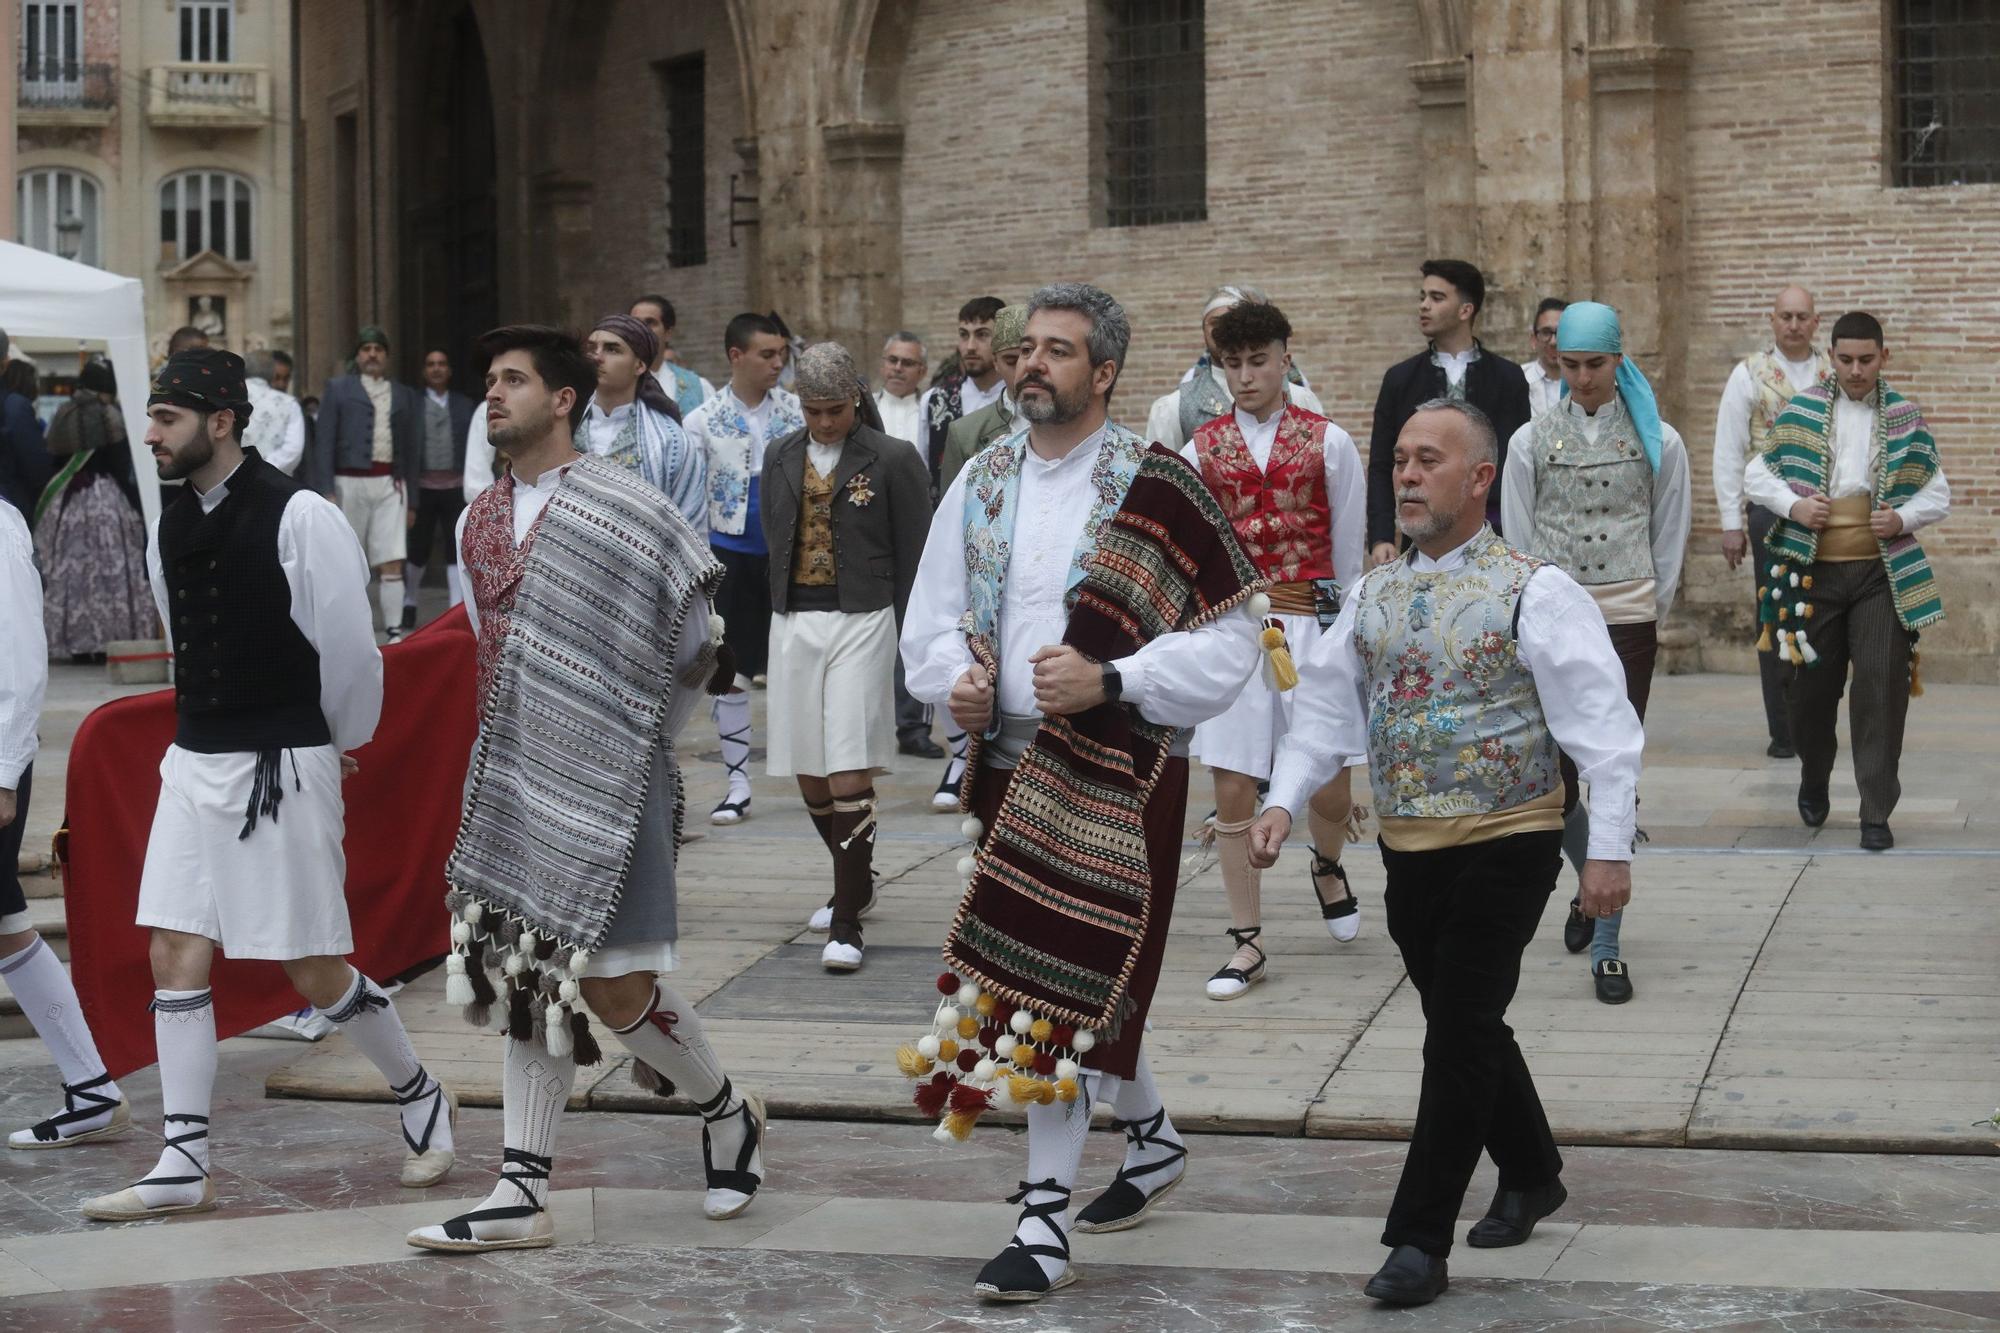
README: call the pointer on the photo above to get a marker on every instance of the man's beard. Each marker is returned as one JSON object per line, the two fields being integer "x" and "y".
{"x": 518, "y": 434}
{"x": 1434, "y": 521}
{"x": 191, "y": 458}
{"x": 1055, "y": 410}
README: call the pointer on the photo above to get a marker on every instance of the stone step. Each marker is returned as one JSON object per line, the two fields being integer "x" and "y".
{"x": 46, "y": 915}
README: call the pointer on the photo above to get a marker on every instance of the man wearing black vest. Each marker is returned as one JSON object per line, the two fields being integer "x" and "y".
{"x": 1454, "y": 365}
{"x": 264, "y": 592}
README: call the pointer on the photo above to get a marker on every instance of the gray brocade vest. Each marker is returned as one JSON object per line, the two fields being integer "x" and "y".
{"x": 1455, "y": 725}
{"x": 1593, "y": 500}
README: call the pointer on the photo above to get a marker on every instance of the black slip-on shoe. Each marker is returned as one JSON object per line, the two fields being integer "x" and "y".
{"x": 1410, "y": 1277}
{"x": 1511, "y": 1218}
{"x": 1876, "y": 838}
{"x": 1814, "y": 807}
{"x": 1578, "y": 929}
{"x": 1780, "y": 750}
{"x": 1614, "y": 981}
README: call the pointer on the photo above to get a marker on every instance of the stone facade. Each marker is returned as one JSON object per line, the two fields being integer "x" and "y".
{"x": 870, "y": 164}
{"x": 140, "y": 115}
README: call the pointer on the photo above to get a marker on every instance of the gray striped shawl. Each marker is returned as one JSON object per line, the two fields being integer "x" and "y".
{"x": 584, "y": 679}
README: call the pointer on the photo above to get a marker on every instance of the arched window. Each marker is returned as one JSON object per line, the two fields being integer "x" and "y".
{"x": 56, "y": 210}
{"x": 206, "y": 210}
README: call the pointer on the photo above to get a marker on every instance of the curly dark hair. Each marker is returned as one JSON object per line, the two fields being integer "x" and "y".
{"x": 558, "y": 357}
{"x": 1250, "y": 325}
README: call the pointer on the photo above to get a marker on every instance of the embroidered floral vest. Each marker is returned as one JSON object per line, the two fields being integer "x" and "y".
{"x": 729, "y": 448}
{"x": 493, "y": 568}
{"x": 1593, "y": 499}
{"x": 1774, "y": 393}
{"x": 1455, "y": 726}
{"x": 812, "y": 558}
{"x": 1280, "y": 512}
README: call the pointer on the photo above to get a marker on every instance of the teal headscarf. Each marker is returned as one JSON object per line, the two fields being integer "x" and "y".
{"x": 1591, "y": 326}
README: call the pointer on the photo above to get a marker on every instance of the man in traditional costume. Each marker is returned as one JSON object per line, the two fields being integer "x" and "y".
{"x": 632, "y": 422}
{"x": 1457, "y": 671}
{"x": 845, "y": 518}
{"x": 1759, "y": 389}
{"x": 1204, "y": 394}
{"x": 735, "y": 430}
{"x": 435, "y": 482}
{"x": 93, "y": 1107}
{"x": 277, "y": 429}
{"x": 591, "y": 601}
{"x": 264, "y": 593}
{"x": 900, "y": 399}
{"x": 1852, "y": 474}
{"x": 687, "y": 389}
{"x": 363, "y": 444}
{"x": 1081, "y": 603}
{"x": 1598, "y": 486}
{"x": 1454, "y": 364}
{"x": 1291, "y": 483}
{"x": 1544, "y": 372}
{"x": 971, "y": 385}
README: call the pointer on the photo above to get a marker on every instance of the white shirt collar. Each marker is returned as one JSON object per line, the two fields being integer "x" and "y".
{"x": 442, "y": 397}
{"x": 1088, "y": 449}
{"x": 596, "y": 411}
{"x": 217, "y": 493}
{"x": 1451, "y": 559}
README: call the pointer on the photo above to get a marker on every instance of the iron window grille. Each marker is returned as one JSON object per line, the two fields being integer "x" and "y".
{"x": 687, "y": 160}
{"x": 1946, "y": 81}
{"x": 1155, "y": 113}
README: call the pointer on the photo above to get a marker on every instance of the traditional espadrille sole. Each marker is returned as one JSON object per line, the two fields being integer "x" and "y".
{"x": 757, "y": 1117}
{"x": 988, "y": 1292}
{"x": 126, "y": 1206}
{"x": 1253, "y": 980}
{"x": 1127, "y": 1223}
{"x": 121, "y": 1121}
{"x": 446, "y": 1245}
{"x": 423, "y": 1171}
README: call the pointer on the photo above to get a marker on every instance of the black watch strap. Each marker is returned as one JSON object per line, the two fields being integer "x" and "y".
{"x": 1114, "y": 684}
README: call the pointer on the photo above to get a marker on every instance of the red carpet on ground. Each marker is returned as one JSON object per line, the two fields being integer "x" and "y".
{"x": 402, "y": 815}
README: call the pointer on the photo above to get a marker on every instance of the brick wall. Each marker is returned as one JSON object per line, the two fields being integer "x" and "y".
{"x": 1313, "y": 187}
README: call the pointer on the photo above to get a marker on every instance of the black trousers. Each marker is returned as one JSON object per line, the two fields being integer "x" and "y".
{"x": 12, "y": 899}
{"x": 1853, "y": 623}
{"x": 913, "y": 719}
{"x": 1461, "y": 918}
{"x": 437, "y": 519}
{"x": 744, "y": 603}
{"x": 1771, "y": 668}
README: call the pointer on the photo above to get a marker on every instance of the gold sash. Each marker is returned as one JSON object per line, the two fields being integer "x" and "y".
{"x": 1409, "y": 833}
{"x": 1846, "y": 535}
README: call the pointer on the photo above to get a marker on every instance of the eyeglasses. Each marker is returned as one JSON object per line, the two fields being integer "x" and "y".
{"x": 1545, "y": 333}
{"x": 903, "y": 362}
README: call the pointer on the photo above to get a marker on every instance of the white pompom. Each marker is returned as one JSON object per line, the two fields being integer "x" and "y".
{"x": 947, "y": 1017}
{"x": 579, "y": 962}
{"x": 461, "y": 932}
{"x": 458, "y": 988}
{"x": 569, "y": 991}
{"x": 473, "y": 912}
{"x": 515, "y": 965}
{"x": 1259, "y": 606}
{"x": 1084, "y": 1042}
{"x": 968, "y": 995}
{"x": 984, "y": 1070}
{"x": 1066, "y": 1069}
{"x": 971, "y": 828}
{"x": 454, "y": 965}
{"x": 1777, "y": 571}
{"x": 965, "y": 867}
{"x": 1021, "y": 1022}
{"x": 1795, "y": 580}
{"x": 927, "y": 1047}
{"x": 557, "y": 1035}
{"x": 1004, "y": 1047}
{"x": 528, "y": 941}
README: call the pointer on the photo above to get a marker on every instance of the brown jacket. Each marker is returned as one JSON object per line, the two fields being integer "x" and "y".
{"x": 881, "y": 516}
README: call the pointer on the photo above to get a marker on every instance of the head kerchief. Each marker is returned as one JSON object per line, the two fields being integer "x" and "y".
{"x": 203, "y": 379}
{"x": 1592, "y": 326}
{"x": 646, "y": 347}
{"x": 371, "y": 333}
{"x": 1010, "y": 326}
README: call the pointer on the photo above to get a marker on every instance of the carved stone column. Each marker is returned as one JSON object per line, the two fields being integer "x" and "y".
{"x": 1445, "y": 129}
{"x": 862, "y": 259}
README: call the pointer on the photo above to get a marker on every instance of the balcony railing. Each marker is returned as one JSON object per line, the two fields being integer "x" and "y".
{"x": 208, "y": 96}
{"x": 54, "y": 91}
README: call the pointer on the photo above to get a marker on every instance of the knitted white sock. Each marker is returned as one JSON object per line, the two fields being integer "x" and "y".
{"x": 42, "y": 985}
{"x": 533, "y": 1091}
{"x": 1137, "y": 1102}
{"x": 732, "y": 727}
{"x": 672, "y": 1040}
{"x": 389, "y": 596}
{"x": 184, "y": 1034}
{"x": 1056, "y": 1134}
{"x": 369, "y": 1019}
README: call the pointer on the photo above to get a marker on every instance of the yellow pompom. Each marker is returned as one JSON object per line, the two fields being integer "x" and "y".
{"x": 910, "y": 1062}
{"x": 1806, "y": 583}
{"x": 1066, "y": 1090}
{"x": 1041, "y": 1029}
{"x": 1271, "y": 637}
{"x": 1024, "y": 1055}
{"x": 1916, "y": 674}
{"x": 1024, "y": 1088}
{"x": 983, "y": 1006}
{"x": 959, "y": 1124}
{"x": 947, "y": 1050}
{"x": 968, "y": 1028}
{"x": 1806, "y": 610}
{"x": 1764, "y": 639}
{"x": 1784, "y": 613}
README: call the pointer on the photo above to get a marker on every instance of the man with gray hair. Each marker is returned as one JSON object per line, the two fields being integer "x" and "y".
{"x": 1203, "y": 393}
{"x": 1082, "y": 602}
{"x": 1456, "y": 671}
{"x": 903, "y": 363}
{"x": 277, "y": 428}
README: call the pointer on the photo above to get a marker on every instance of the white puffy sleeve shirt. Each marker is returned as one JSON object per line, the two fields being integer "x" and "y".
{"x": 24, "y": 649}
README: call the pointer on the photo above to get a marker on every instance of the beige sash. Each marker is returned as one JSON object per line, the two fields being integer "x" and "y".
{"x": 1846, "y": 535}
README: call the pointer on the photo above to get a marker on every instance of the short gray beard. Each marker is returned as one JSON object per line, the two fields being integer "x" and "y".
{"x": 1436, "y": 521}
{"x": 1054, "y": 411}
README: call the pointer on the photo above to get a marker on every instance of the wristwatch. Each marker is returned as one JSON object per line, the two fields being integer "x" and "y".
{"x": 1114, "y": 685}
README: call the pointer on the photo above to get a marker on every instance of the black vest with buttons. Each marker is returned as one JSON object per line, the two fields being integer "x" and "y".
{"x": 245, "y": 678}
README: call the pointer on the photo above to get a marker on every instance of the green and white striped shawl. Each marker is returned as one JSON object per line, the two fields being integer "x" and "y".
{"x": 1905, "y": 459}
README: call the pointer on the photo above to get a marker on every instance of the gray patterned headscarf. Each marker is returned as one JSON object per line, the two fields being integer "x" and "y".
{"x": 826, "y": 371}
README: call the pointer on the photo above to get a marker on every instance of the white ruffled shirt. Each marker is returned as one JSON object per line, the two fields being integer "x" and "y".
{"x": 1852, "y": 472}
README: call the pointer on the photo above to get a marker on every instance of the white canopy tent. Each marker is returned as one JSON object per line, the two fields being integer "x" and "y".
{"x": 42, "y": 296}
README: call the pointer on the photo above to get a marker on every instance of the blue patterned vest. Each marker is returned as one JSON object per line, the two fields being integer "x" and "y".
{"x": 1455, "y": 726}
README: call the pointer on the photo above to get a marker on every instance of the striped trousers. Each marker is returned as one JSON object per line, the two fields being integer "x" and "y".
{"x": 1853, "y": 624}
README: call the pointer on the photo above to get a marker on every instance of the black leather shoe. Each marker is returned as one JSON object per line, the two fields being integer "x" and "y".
{"x": 1410, "y": 1277}
{"x": 1614, "y": 982}
{"x": 1781, "y": 750}
{"x": 1511, "y": 1218}
{"x": 923, "y": 747}
{"x": 1579, "y": 929}
{"x": 1876, "y": 838}
{"x": 1813, "y": 807}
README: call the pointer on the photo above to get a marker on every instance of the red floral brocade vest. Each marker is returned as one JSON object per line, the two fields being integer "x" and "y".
{"x": 493, "y": 569}
{"x": 1280, "y": 513}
